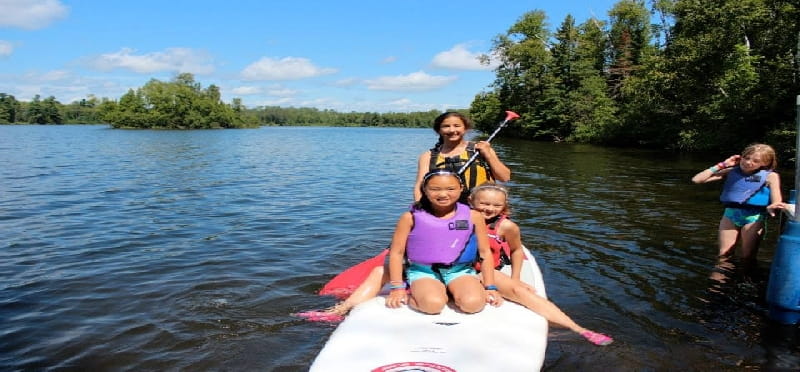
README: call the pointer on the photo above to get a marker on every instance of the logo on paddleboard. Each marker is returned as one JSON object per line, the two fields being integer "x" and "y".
{"x": 414, "y": 367}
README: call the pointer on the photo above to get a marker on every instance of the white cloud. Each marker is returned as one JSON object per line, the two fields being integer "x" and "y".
{"x": 64, "y": 85}
{"x": 30, "y": 14}
{"x": 171, "y": 59}
{"x": 288, "y": 68}
{"x": 283, "y": 101}
{"x": 401, "y": 102}
{"x": 6, "y": 48}
{"x": 415, "y": 81}
{"x": 389, "y": 59}
{"x": 246, "y": 90}
{"x": 347, "y": 82}
{"x": 281, "y": 92}
{"x": 49, "y": 76}
{"x": 460, "y": 58}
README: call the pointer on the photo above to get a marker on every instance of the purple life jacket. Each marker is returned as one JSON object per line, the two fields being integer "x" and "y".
{"x": 435, "y": 240}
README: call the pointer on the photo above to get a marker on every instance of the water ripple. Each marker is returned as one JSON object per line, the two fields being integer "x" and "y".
{"x": 189, "y": 250}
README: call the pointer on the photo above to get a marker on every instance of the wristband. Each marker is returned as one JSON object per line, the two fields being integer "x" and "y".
{"x": 721, "y": 165}
{"x": 398, "y": 286}
{"x": 491, "y": 287}
{"x": 714, "y": 169}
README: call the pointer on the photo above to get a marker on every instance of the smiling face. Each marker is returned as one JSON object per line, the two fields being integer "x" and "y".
{"x": 752, "y": 162}
{"x": 489, "y": 202}
{"x": 452, "y": 129}
{"x": 443, "y": 190}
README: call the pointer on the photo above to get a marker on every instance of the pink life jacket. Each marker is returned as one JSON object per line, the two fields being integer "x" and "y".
{"x": 501, "y": 251}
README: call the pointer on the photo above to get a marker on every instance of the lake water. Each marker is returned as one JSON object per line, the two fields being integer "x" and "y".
{"x": 189, "y": 250}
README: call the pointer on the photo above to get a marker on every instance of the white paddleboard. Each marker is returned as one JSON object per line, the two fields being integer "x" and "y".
{"x": 375, "y": 338}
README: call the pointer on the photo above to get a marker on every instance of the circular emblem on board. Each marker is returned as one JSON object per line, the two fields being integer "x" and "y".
{"x": 414, "y": 367}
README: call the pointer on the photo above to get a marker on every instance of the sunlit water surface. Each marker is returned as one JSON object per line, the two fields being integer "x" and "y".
{"x": 154, "y": 250}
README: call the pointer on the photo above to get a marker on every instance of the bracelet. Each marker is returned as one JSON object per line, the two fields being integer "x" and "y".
{"x": 721, "y": 165}
{"x": 491, "y": 287}
{"x": 398, "y": 286}
{"x": 714, "y": 169}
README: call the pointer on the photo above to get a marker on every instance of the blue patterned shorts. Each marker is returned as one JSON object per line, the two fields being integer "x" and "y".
{"x": 744, "y": 216}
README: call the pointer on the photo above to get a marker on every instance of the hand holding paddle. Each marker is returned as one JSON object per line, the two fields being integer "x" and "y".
{"x": 510, "y": 115}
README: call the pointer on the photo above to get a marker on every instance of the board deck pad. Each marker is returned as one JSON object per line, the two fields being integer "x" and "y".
{"x": 375, "y": 338}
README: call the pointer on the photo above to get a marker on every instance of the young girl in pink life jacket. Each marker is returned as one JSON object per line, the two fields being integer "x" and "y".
{"x": 491, "y": 201}
{"x": 752, "y": 189}
{"x": 434, "y": 239}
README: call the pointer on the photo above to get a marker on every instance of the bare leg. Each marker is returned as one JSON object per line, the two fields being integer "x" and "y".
{"x": 751, "y": 239}
{"x": 366, "y": 291}
{"x": 728, "y": 233}
{"x": 525, "y": 295}
{"x": 468, "y": 294}
{"x": 428, "y": 296}
{"x": 722, "y": 269}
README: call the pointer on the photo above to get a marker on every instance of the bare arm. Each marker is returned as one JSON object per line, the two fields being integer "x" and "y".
{"x": 775, "y": 197}
{"x": 717, "y": 171}
{"x": 423, "y": 164}
{"x": 397, "y": 251}
{"x": 485, "y": 252}
{"x": 509, "y": 230}
{"x": 500, "y": 171}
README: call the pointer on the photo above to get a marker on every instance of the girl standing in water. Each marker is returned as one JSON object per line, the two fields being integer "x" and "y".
{"x": 752, "y": 190}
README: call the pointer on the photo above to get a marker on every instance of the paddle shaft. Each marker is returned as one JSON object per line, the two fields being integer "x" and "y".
{"x": 509, "y": 116}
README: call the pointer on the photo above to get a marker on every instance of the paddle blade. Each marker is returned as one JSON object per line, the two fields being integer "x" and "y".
{"x": 345, "y": 283}
{"x": 511, "y": 115}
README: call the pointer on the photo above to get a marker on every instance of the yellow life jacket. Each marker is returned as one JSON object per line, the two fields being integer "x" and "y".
{"x": 477, "y": 173}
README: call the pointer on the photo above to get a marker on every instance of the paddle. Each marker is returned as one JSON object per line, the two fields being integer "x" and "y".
{"x": 346, "y": 282}
{"x": 510, "y": 115}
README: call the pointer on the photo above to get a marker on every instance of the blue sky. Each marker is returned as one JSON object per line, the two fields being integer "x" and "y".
{"x": 376, "y": 55}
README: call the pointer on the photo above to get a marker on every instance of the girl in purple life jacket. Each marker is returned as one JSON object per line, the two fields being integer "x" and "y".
{"x": 432, "y": 237}
{"x": 752, "y": 190}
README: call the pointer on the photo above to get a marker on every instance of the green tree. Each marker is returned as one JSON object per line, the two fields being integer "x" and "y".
{"x": 484, "y": 110}
{"x": 179, "y": 104}
{"x": 523, "y": 74}
{"x": 9, "y": 107}
{"x": 36, "y": 113}
{"x": 52, "y": 112}
{"x": 629, "y": 42}
{"x": 735, "y": 73}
